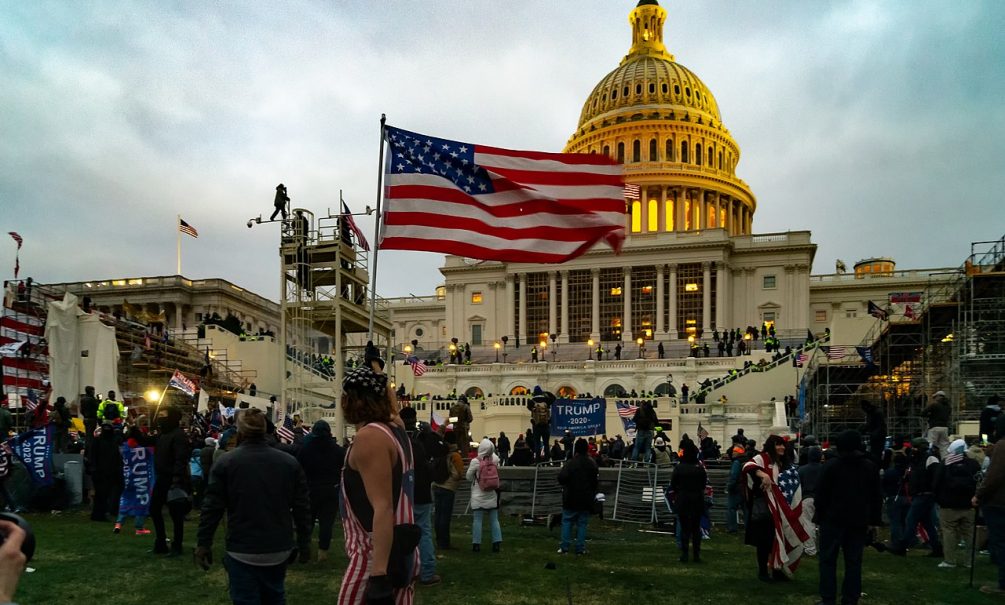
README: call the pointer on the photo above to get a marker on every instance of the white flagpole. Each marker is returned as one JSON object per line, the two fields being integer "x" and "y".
{"x": 177, "y": 227}
{"x": 376, "y": 227}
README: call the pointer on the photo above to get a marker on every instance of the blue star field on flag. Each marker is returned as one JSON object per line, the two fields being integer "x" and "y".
{"x": 788, "y": 482}
{"x": 452, "y": 160}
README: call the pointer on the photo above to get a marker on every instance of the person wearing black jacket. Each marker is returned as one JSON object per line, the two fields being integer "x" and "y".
{"x": 579, "y": 479}
{"x": 849, "y": 501}
{"x": 688, "y": 485}
{"x": 875, "y": 430}
{"x": 423, "y": 443}
{"x": 645, "y": 421}
{"x": 920, "y": 480}
{"x": 322, "y": 459}
{"x": 264, "y": 494}
{"x": 107, "y": 463}
{"x": 171, "y": 470}
{"x": 955, "y": 486}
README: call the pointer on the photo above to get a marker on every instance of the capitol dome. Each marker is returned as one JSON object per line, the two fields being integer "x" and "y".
{"x": 660, "y": 120}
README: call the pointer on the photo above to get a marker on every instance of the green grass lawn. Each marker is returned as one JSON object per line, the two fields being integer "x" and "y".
{"x": 83, "y": 562}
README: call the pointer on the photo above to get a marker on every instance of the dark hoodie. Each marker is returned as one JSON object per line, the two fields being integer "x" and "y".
{"x": 321, "y": 457}
{"x": 849, "y": 494}
{"x": 579, "y": 478}
{"x": 171, "y": 453}
{"x": 688, "y": 483}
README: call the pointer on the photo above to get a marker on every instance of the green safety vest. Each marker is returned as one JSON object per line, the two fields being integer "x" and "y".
{"x": 118, "y": 404}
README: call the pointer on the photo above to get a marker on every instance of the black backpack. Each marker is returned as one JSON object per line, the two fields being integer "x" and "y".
{"x": 958, "y": 485}
{"x": 440, "y": 471}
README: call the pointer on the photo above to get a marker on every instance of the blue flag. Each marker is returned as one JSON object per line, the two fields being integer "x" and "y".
{"x": 584, "y": 417}
{"x": 34, "y": 449}
{"x": 866, "y": 354}
{"x": 138, "y": 480}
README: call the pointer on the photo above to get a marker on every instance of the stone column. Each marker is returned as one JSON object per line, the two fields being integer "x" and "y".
{"x": 552, "y": 304}
{"x": 706, "y": 298}
{"x": 663, "y": 210}
{"x": 672, "y": 328}
{"x": 510, "y": 307}
{"x": 660, "y": 325}
{"x": 720, "y": 295}
{"x": 177, "y": 317}
{"x": 563, "y": 336}
{"x": 702, "y": 210}
{"x": 521, "y": 328}
{"x": 626, "y": 316}
{"x": 679, "y": 208}
{"x": 595, "y": 318}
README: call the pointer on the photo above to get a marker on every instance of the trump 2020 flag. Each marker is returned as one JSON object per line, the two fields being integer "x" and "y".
{"x": 183, "y": 384}
{"x": 34, "y": 449}
{"x": 498, "y": 204}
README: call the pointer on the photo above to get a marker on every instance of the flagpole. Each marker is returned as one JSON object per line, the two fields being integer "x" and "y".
{"x": 376, "y": 227}
{"x": 161, "y": 400}
{"x": 177, "y": 227}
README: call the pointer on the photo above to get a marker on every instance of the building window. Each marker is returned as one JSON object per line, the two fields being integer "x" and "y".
{"x": 616, "y": 291}
{"x": 614, "y": 94}
{"x": 638, "y": 89}
{"x": 636, "y": 217}
{"x": 198, "y": 316}
{"x": 537, "y": 305}
{"x": 637, "y": 151}
{"x": 419, "y": 332}
{"x": 821, "y": 316}
{"x": 669, "y": 157}
{"x": 697, "y": 154}
{"x": 668, "y": 214}
{"x": 768, "y": 317}
{"x": 654, "y": 216}
{"x": 720, "y": 160}
{"x": 441, "y": 293}
{"x": 683, "y": 151}
{"x": 621, "y": 153}
{"x": 652, "y": 88}
{"x": 676, "y": 89}
{"x": 476, "y": 298}
{"x": 443, "y": 332}
{"x": 769, "y": 282}
{"x": 850, "y": 313}
{"x": 689, "y": 300}
{"x": 612, "y": 304}
{"x": 653, "y": 151}
{"x": 607, "y": 150}
{"x": 580, "y": 305}
{"x": 664, "y": 88}
{"x": 476, "y": 334}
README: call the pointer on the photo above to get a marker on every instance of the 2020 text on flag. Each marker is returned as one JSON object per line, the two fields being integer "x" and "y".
{"x": 498, "y": 204}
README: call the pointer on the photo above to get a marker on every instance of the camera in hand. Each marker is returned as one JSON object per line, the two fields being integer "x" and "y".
{"x": 28, "y": 546}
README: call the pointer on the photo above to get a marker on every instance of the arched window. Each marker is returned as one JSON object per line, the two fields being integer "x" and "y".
{"x": 621, "y": 153}
{"x": 652, "y": 88}
{"x": 710, "y": 156}
{"x": 654, "y": 216}
{"x": 669, "y": 157}
{"x": 614, "y": 94}
{"x": 519, "y": 390}
{"x": 625, "y": 92}
{"x": 607, "y": 150}
{"x": 636, "y": 150}
{"x": 565, "y": 392}
{"x": 720, "y": 160}
{"x": 474, "y": 393}
{"x": 636, "y": 217}
{"x": 683, "y": 152}
{"x": 668, "y": 214}
{"x": 697, "y": 154}
{"x": 615, "y": 390}
{"x": 653, "y": 151}
{"x": 638, "y": 89}
{"x": 665, "y": 88}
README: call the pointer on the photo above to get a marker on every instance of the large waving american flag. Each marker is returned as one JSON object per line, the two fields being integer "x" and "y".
{"x": 498, "y": 204}
{"x": 786, "y": 506}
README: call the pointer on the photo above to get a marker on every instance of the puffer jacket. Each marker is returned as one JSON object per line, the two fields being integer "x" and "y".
{"x": 481, "y": 499}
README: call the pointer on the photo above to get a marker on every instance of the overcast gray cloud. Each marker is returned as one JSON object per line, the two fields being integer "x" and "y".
{"x": 877, "y": 125}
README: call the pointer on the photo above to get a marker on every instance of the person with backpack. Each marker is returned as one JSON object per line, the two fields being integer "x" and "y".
{"x": 580, "y": 479}
{"x": 446, "y": 475}
{"x": 955, "y": 486}
{"x": 540, "y": 421}
{"x": 483, "y": 473}
{"x": 460, "y": 414}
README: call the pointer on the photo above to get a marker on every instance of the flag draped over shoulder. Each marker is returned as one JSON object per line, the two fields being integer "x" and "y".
{"x": 498, "y": 204}
{"x": 790, "y": 536}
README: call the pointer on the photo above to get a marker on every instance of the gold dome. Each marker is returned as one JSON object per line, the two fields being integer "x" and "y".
{"x": 658, "y": 119}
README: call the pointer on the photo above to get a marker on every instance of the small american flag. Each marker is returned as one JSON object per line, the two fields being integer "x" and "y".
{"x": 200, "y": 421}
{"x": 836, "y": 352}
{"x": 627, "y": 410}
{"x": 186, "y": 228}
{"x": 418, "y": 368}
{"x": 356, "y": 231}
{"x": 801, "y": 359}
{"x": 632, "y": 192}
{"x": 284, "y": 429}
{"x": 17, "y": 238}
{"x": 909, "y": 312}
{"x": 32, "y": 401}
{"x": 702, "y": 432}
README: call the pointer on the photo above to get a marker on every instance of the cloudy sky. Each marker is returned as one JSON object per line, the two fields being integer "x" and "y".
{"x": 877, "y": 125}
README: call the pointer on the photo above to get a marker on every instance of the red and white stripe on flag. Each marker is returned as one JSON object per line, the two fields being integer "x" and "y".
{"x": 498, "y": 204}
{"x": 418, "y": 368}
{"x": 632, "y": 192}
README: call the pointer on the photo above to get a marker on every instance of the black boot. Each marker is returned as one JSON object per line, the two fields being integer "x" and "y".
{"x": 160, "y": 548}
{"x": 697, "y": 555}
{"x": 683, "y": 556}
{"x": 175, "y": 549}
{"x": 496, "y": 546}
{"x": 476, "y": 548}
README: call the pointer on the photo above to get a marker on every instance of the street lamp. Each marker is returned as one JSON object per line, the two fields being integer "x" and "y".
{"x": 152, "y": 395}
{"x": 497, "y": 347}
{"x": 639, "y": 342}
{"x": 589, "y": 350}
{"x": 453, "y": 351}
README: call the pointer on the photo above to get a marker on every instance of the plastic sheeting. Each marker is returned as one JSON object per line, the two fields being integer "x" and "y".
{"x": 99, "y": 355}
{"x": 61, "y": 335}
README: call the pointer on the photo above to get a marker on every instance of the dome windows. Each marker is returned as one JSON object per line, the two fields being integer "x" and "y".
{"x": 687, "y": 92}
{"x": 624, "y": 92}
{"x": 614, "y": 94}
{"x": 676, "y": 89}
{"x": 637, "y": 151}
{"x": 653, "y": 151}
{"x": 638, "y": 89}
{"x": 652, "y": 88}
{"x": 669, "y": 150}
{"x": 684, "y": 152}
{"x": 697, "y": 154}
{"x": 621, "y": 153}
{"x": 607, "y": 150}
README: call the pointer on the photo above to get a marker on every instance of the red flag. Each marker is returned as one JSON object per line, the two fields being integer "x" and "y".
{"x": 909, "y": 312}
{"x": 498, "y": 204}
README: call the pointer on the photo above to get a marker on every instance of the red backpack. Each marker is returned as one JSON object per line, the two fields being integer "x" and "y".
{"x": 488, "y": 474}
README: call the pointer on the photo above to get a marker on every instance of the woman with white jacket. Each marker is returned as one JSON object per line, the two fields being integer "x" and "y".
{"x": 483, "y": 501}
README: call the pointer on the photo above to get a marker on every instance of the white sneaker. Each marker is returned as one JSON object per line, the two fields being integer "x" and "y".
{"x": 946, "y": 565}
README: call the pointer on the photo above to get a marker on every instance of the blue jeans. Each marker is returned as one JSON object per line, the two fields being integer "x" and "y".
{"x": 995, "y": 518}
{"x": 922, "y": 511}
{"x": 427, "y": 554}
{"x": 443, "y": 500}
{"x": 254, "y": 585}
{"x": 476, "y": 525}
{"x": 851, "y": 542}
{"x": 140, "y": 519}
{"x": 643, "y": 446}
{"x": 581, "y": 518}
{"x": 897, "y": 509}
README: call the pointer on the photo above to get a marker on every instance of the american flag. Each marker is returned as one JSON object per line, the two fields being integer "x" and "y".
{"x": 186, "y": 228}
{"x": 183, "y": 384}
{"x": 626, "y": 410}
{"x": 702, "y": 432}
{"x": 200, "y": 421}
{"x": 909, "y": 312}
{"x": 33, "y": 402}
{"x": 801, "y": 359}
{"x": 785, "y": 502}
{"x": 836, "y": 352}
{"x": 284, "y": 429}
{"x": 497, "y": 204}
{"x": 632, "y": 192}
{"x": 418, "y": 366}
{"x": 351, "y": 223}
{"x": 17, "y": 258}
{"x": 877, "y": 312}
{"x": 17, "y": 238}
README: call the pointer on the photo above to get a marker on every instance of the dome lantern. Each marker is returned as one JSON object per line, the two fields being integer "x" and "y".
{"x": 647, "y": 32}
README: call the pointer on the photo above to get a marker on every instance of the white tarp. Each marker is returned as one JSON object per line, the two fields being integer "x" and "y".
{"x": 261, "y": 403}
{"x": 61, "y": 336}
{"x": 98, "y": 355}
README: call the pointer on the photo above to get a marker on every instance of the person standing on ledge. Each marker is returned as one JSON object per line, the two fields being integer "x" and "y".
{"x": 280, "y": 202}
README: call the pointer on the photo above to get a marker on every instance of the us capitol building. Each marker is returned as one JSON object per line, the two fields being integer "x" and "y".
{"x": 692, "y": 266}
